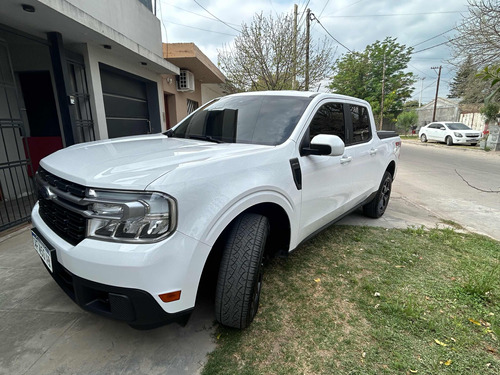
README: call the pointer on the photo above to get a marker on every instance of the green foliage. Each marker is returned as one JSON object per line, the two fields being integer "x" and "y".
{"x": 491, "y": 75}
{"x": 490, "y": 111}
{"x": 406, "y": 120}
{"x": 471, "y": 86}
{"x": 460, "y": 85}
{"x": 360, "y": 74}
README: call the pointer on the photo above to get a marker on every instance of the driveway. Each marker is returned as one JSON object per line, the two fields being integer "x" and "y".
{"x": 44, "y": 332}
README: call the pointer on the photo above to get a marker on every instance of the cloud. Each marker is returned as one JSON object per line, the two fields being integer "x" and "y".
{"x": 355, "y": 24}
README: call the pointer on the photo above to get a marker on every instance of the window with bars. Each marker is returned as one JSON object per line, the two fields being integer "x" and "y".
{"x": 192, "y": 106}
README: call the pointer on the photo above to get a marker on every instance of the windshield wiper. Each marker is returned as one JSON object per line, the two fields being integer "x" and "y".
{"x": 208, "y": 138}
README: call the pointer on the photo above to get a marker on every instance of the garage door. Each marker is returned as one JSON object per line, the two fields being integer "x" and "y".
{"x": 128, "y": 103}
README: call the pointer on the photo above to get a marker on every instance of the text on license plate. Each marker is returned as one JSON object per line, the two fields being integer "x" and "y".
{"x": 43, "y": 251}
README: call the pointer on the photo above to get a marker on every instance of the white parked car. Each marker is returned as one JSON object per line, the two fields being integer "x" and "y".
{"x": 449, "y": 132}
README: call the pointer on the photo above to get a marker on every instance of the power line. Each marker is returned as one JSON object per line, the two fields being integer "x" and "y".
{"x": 322, "y": 10}
{"x": 303, "y": 12}
{"x": 434, "y": 37}
{"x": 331, "y": 36}
{"x": 419, "y": 70}
{"x": 213, "y": 15}
{"x": 393, "y": 15}
{"x": 197, "y": 28}
{"x": 163, "y": 24}
{"x": 437, "y": 45}
{"x": 197, "y": 14}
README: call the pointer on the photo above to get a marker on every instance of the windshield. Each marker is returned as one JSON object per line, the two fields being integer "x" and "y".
{"x": 257, "y": 119}
{"x": 457, "y": 126}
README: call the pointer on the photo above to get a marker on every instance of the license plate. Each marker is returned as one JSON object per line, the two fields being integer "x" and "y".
{"x": 43, "y": 251}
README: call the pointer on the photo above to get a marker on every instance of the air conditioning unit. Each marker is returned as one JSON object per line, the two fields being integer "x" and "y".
{"x": 185, "y": 81}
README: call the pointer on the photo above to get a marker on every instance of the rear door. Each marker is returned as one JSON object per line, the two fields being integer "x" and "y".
{"x": 366, "y": 151}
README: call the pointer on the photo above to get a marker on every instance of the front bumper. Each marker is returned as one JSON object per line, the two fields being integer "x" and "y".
{"x": 124, "y": 281}
{"x": 136, "y": 307}
{"x": 465, "y": 140}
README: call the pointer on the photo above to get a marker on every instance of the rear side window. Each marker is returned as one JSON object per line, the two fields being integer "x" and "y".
{"x": 329, "y": 119}
{"x": 361, "y": 128}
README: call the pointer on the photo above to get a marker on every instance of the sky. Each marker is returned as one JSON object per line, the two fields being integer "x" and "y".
{"x": 425, "y": 25}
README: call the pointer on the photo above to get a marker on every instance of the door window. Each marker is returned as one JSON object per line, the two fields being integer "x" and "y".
{"x": 361, "y": 129}
{"x": 329, "y": 119}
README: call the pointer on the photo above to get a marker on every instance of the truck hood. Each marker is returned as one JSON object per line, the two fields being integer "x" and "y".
{"x": 134, "y": 162}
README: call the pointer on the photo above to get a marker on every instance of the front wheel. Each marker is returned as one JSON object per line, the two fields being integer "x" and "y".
{"x": 449, "y": 141}
{"x": 423, "y": 138}
{"x": 240, "y": 275}
{"x": 377, "y": 206}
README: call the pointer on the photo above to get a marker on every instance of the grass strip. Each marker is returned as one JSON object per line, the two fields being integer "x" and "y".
{"x": 363, "y": 300}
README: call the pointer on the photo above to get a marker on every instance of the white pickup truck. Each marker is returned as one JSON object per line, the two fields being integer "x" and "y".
{"x": 126, "y": 226}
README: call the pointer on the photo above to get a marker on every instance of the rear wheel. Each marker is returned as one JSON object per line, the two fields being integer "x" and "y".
{"x": 240, "y": 275}
{"x": 449, "y": 141}
{"x": 423, "y": 138}
{"x": 377, "y": 206}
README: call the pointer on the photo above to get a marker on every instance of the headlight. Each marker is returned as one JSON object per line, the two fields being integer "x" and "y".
{"x": 458, "y": 135}
{"x": 129, "y": 216}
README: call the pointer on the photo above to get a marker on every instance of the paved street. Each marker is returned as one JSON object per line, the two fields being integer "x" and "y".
{"x": 427, "y": 177}
{"x": 44, "y": 332}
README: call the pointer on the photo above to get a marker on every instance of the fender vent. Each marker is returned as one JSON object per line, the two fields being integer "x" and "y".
{"x": 296, "y": 172}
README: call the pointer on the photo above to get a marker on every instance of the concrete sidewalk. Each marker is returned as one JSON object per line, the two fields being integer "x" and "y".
{"x": 44, "y": 332}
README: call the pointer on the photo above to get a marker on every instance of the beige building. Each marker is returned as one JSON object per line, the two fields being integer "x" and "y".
{"x": 198, "y": 82}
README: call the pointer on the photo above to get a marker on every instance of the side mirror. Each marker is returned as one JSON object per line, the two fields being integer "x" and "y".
{"x": 324, "y": 144}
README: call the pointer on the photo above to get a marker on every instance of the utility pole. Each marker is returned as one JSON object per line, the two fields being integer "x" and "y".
{"x": 383, "y": 95}
{"x": 421, "y": 90}
{"x": 437, "y": 90}
{"x": 294, "y": 66}
{"x": 308, "y": 26}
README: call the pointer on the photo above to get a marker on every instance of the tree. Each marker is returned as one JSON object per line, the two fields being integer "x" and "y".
{"x": 479, "y": 34}
{"x": 492, "y": 77}
{"x": 460, "y": 83}
{"x": 467, "y": 85}
{"x": 476, "y": 47}
{"x": 362, "y": 74}
{"x": 406, "y": 120}
{"x": 410, "y": 104}
{"x": 262, "y": 56}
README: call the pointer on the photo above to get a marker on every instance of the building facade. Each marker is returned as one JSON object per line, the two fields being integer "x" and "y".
{"x": 74, "y": 71}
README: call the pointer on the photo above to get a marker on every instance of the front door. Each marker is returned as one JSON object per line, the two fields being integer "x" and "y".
{"x": 326, "y": 180}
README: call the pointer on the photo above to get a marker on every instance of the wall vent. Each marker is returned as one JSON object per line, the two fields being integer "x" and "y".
{"x": 185, "y": 81}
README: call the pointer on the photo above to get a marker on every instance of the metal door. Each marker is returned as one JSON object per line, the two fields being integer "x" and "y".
{"x": 16, "y": 187}
{"x": 126, "y": 104}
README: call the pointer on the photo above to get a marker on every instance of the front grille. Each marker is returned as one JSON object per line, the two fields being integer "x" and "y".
{"x": 67, "y": 224}
{"x": 61, "y": 184}
{"x": 472, "y": 135}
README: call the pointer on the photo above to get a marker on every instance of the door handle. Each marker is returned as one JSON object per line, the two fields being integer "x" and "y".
{"x": 150, "y": 130}
{"x": 345, "y": 159}
{"x": 373, "y": 151}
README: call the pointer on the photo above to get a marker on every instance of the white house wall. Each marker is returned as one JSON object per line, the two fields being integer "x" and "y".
{"x": 473, "y": 120}
{"x": 210, "y": 91}
{"x": 93, "y": 55}
{"x": 118, "y": 15}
